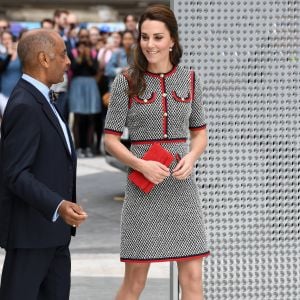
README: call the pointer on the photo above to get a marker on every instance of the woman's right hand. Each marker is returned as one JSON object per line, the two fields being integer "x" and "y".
{"x": 154, "y": 171}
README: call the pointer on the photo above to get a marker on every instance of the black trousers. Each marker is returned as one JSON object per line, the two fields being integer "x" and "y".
{"x": 36, "y": 274}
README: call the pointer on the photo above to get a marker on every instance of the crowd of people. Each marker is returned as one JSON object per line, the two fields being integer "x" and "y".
{"x": 97, "y": 56}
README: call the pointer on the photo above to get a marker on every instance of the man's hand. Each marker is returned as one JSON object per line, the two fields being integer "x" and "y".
{"x": 72, "y": 213}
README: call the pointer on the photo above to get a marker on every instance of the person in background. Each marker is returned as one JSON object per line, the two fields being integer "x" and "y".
{"x": 110, "y": 45}
{"x": 112, "y": 58}
{"x": 60, "y": 17}
{"x": 72, "y": 31}
{"x": 84, "y": 95}
{"x": 130, "y": 23}
{"x": 115, "y": 40}
{"x": 69, "y": 24}
{"x": 10, "y": 65}
{"x": 114, "y": 44}
{"x": 38, "y": 213}
{"x": 105, "y": 31}
{"x": 94, "y": 34}
{"x": 160, "y": 102}
{"x": 101, "y": 43}
{"x": 98, "y": 43}
{"x": 105, "y": 51}
{"x": 4, "y": 26}
{"x": 47, "y": 23}
{"x": 121, "y": 57}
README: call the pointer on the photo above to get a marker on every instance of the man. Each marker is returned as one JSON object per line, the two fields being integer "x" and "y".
{"x": 4, "y": 24}
{"x": 60, "y": 17}
{"x": 38, "y": 212}
{"x": 47, "y": 23}
{"x": 72, "y": 31}
{"x": 130, "y": 23}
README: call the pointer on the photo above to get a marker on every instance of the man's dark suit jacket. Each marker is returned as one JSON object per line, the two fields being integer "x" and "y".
{"x": 37, "y": 171}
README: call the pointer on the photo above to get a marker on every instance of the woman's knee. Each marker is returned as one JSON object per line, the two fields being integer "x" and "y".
{"x": 191, "y": 279}
{"x": 136, "y": 284}
{"x": 136, "y": 277}
{"x": 190, "y": 276}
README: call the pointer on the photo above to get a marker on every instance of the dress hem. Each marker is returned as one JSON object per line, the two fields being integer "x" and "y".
{"x": 183, "y": 258}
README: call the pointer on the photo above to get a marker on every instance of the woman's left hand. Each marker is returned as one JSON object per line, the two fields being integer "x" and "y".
{"x": 184, "y": 168}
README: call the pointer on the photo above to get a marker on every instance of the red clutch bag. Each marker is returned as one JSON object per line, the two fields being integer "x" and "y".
{"x": 158, "y": 153}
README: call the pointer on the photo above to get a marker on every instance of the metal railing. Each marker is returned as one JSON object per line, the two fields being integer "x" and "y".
{"x": 174, "y": 285}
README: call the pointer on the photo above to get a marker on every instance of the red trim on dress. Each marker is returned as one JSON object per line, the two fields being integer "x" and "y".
{"x": 126, "y": 75}
{"x": 141, "y": 261}
{"x": 159, "y": 74}
{"x": 183, "y": 140}
{"x": 109, "y": 131}
{"x": 191, "y": 94}
{"x": 183, "y": 100}
{"x": 145, "y": 101}
{"x": 164, "y": 103}
{"x": 198, "y": 128}
{"x": 192, "y": 85}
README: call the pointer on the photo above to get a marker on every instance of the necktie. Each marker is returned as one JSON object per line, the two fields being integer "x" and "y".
{"x": 52, "y": 96}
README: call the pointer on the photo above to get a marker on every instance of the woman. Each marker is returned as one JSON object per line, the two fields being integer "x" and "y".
{"x": 159, "y": 101}
{"x": 112, "y": 44}
{"x": 10, "y": 65}
{"x": 121, "y": 57}
{"x": 84, "y": 94}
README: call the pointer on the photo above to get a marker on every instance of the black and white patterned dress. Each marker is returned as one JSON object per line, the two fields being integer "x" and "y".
{"x": 166, "y": 224}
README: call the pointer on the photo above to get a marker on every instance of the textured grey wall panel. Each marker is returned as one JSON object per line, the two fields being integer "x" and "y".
{"x": 248, "y": 55}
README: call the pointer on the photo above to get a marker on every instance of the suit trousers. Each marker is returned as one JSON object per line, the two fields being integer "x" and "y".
{"x": 36, "y": 274}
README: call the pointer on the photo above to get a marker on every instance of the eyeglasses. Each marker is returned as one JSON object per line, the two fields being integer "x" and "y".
{"x": 4, "y": 27}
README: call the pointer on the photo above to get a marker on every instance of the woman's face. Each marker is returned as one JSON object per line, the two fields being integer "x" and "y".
{"x": 94, "y": 35}
{"x": 7, "y": 39}
{"x": 84, "y": 36}
{"x": 117, "y": 39}
{"x": 128, "y": 40}
{"x": 156, "y": 42}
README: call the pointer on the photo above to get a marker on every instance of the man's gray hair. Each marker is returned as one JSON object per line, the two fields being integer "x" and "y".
{"x": 33, "y": 42}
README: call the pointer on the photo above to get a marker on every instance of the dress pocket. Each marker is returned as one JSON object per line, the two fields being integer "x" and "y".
{"x": 182, "y": 99}
{"x": 145, "y": 100}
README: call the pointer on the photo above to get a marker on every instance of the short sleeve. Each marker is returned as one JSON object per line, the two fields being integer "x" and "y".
{"x": 197, "y": 117}
{"x": 118, "y": 106}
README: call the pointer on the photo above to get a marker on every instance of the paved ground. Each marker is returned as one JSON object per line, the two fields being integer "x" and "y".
{"x": 96, "y": 270}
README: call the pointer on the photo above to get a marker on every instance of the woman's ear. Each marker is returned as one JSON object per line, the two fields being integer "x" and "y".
{"x": 173, "y": 43}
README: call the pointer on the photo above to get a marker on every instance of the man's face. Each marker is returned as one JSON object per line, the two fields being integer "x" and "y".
{"x": 130, "y": 23}
{"x": 59, "y": 62}
{"x": 3, "y": 25}
{"x": 62, "y": 20}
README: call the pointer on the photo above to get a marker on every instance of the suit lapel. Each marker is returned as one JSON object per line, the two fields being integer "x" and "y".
{"x": 50, "y": 115}
{"x": 53, "y": 119}
{"x": 73, "y": 152}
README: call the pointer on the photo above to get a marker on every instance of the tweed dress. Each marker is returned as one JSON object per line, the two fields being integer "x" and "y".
{"x": 167, "y": 223}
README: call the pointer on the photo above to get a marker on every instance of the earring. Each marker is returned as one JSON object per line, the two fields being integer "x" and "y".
{"x": 170, "y": 49}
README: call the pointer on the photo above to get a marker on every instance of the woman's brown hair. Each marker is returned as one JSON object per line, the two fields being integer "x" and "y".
{"x": 163, "y": 14}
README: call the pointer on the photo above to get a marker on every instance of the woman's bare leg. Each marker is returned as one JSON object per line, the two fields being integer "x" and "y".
{"x": 190, "y": 279}
{"x": 134, "y": 281}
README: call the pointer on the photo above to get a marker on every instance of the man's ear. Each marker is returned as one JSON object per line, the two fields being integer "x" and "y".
{"x": 43, "y": 59}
